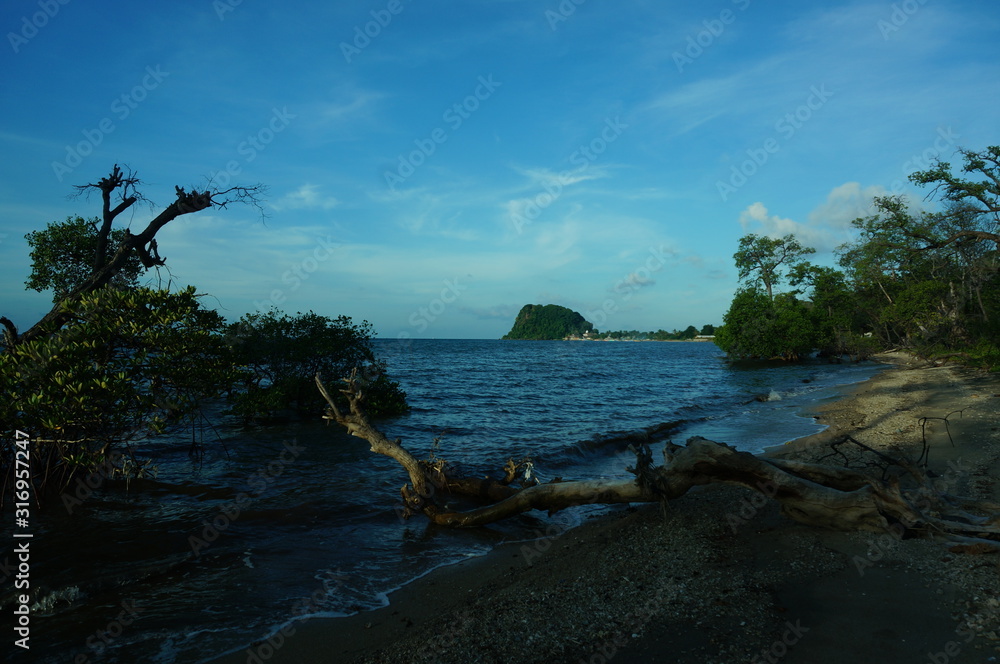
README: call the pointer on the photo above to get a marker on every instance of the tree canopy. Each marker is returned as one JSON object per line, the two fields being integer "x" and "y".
{"x": 924, "y": 280}
{"x": 124, "y": 365}
{"x": 62, "y": 257}
{"x": 765, "y": 260}
{"x": 687, "y": 334}
{"x": 281, "y": 354}
{"x": 113, "y": 362}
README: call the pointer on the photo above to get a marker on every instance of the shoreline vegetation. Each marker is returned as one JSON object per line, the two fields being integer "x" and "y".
{"x": 718, "y": 575}
{"x": 696, "y": 339}
{"x": 912, "y": 278}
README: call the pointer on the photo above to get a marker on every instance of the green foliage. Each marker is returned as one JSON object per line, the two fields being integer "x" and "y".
{"x": 660, "y": 335}
{"x": 117, "y": 362}
{"x": 915, "y": 287}
{"x": 126, "y": 365}
{"x": 831, "y": 308}
{"x": 281, "y": 355}
{"x": 980, "y": 193}
{"x": 926, "y": 281}
{"x": 756, "y": 327}
{"x": 762, "y": 261}
{"x": 62, "y": 257}
{"x": 761, "y": 324}
{"x": 550, "y": 321}
{"x": 985, "y": 355}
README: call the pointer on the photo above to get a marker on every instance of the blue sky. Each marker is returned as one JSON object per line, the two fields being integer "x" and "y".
{"x": 433, "y": 166}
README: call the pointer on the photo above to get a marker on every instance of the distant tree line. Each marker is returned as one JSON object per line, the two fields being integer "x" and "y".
{"x": 690, "y": 332}
{"x": 924, "y": 281}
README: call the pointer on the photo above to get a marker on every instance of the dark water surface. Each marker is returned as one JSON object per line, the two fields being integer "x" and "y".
{"x": 300, "y": 519}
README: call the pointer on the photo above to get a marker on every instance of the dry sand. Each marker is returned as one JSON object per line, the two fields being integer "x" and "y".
{"x": 720, "y": 576}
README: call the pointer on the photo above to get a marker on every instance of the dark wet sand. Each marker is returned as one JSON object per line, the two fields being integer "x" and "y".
{"x": 721, "y": 576}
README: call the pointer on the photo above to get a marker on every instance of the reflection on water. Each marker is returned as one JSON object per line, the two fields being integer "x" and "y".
{"x": 221, "y": 550}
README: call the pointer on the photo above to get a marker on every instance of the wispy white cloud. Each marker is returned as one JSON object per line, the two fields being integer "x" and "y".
{"x": 306, "y": 197}
{"x": 754, "y": 87}
{"x": 828, "y": 225}
{"x": 655, "y": 186}
{"x": 845, "y": 204}
{"x": 544, "y": 177}
{"x": 757, "y": 219}
{"x": 347, "y": 104}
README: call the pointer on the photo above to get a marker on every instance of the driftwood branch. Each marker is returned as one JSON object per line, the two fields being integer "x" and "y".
{"x": 904, "y": 503}
{"x": 925, "y": 454}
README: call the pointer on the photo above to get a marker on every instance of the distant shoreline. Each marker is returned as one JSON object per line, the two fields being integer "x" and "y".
{"x": 662, "y": 341}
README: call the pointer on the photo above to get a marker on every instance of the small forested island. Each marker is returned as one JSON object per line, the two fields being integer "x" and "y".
{"x": 553, "y": 322}
{"x": 546, "y": 322}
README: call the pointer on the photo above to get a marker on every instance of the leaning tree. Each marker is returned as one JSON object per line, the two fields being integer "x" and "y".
{"x": 110, "y": 362}
{"x": 977, "y": 196}
{"x": 120, "y": 191}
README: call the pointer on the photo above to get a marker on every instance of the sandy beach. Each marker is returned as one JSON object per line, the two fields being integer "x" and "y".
{"x": 719, "y": 575}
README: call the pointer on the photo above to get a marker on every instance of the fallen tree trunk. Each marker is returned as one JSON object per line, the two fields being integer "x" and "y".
{"x": 905, "y": 504}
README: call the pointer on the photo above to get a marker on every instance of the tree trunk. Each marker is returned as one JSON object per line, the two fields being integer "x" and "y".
{"x": 810, "y": 493}
{"x": 143, "y": 244}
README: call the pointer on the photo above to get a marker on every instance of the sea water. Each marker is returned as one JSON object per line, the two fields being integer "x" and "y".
{"x": 244, "y": 530}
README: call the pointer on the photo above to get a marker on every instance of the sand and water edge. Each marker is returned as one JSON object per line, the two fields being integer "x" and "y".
{"x": 720, "y": 575}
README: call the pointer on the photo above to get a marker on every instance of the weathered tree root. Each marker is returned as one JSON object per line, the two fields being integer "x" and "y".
{"x": 815, "y": 494}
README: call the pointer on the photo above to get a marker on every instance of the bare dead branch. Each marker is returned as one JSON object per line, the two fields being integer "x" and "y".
{"x": 816, "y": 494}
{"x": 124, "y": 183}
{"x": 925, "y": 454}
{"x": 10, "y": 336}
